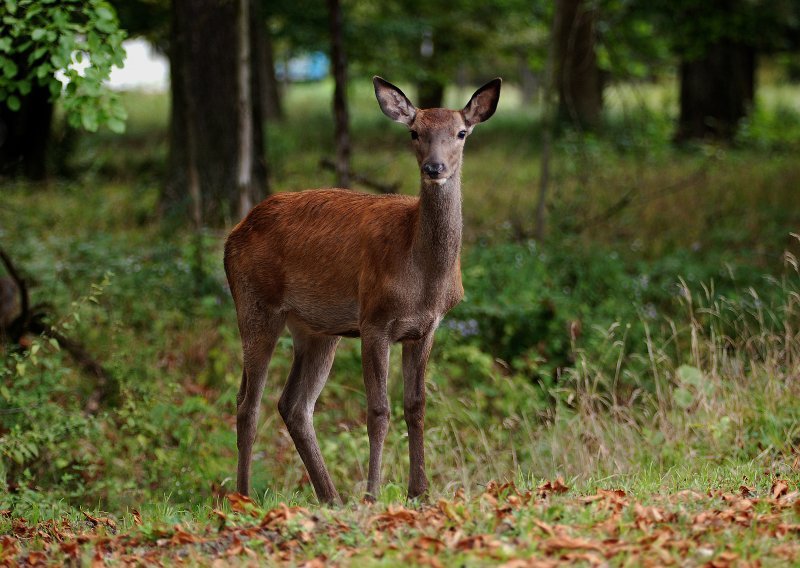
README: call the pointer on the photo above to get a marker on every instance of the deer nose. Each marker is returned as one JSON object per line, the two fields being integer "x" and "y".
{"x": 433, "y": 169}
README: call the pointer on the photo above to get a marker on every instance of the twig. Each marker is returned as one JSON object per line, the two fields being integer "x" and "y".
{"x": 388, "y": 188}
{"x": 630, "y": 196}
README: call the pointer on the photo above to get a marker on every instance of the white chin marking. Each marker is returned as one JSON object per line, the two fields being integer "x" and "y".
{"x": 439, "y": 181}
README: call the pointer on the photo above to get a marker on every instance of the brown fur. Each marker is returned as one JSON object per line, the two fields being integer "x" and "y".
{"x": 331, "y": 263}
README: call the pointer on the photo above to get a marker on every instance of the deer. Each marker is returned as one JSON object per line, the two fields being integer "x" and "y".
{"x": 333, "y": 263}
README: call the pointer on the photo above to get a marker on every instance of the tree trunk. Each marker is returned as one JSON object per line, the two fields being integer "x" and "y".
{"x": 244, "y": 174}
{"x": 216, "y": 139}
{"x": 25, "y": 135}
{"x": 430, "y": 93}
{"x": 272, "y": 102}
{"x": 577, "y": 75}
{"x": 341, "y": 119}
{"x": 430, "y": 89}
{"x": 716, "y": 91}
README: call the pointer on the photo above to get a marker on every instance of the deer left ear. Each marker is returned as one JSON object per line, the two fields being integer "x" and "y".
{"x": 483, "y": 103}
{"x": 393, "y": 102}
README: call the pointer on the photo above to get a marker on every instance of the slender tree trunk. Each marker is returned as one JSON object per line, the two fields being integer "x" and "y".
{"x": 25, "y": 135}
{"x": 716, "y": 91}
{"x": 576, "y": 72}
{"x": 430, "y": 89}
{"x": 549, "y": 111}
{"x": 216, "y": 118}
{"x": 340, "y": 113}
{"x": 244, "y": 177}
{"x": 528, "y": 81}
{"x": 430, "y": 93}
{"x": 272, "y": 102}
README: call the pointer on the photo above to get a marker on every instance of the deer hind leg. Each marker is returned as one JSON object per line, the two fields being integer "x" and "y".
{"x": 313, "y": 357}
{"x": 415, "y": 359}
{"x": 375, "y": 362}
{"x": 259, "y": 336}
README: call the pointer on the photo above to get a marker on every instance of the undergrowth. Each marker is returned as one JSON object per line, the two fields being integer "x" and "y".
{"x": 652, "y": 344}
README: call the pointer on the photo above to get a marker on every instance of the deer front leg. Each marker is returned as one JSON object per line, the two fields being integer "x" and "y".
{"x": 415, "y": 359}
{"x": 375, "y": 362}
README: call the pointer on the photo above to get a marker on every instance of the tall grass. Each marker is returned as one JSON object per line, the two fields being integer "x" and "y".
{"x": 719, "y": 389}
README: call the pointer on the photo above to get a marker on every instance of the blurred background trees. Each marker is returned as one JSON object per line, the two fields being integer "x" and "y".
{"x": 221, "y": 96}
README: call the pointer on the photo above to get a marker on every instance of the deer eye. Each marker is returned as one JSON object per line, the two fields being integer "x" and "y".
{"x": 462, "y": 134}
{"x": 414, "y": 135}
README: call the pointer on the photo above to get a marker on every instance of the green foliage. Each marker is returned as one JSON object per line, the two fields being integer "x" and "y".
{"x": 632, "y": 347}
{"x": 40, "y": 39}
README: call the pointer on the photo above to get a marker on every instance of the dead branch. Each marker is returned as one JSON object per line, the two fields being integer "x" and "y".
{"x": 630, "y": 196}
{"x": 387, "y": 188}
{"x": 33, "y": 321}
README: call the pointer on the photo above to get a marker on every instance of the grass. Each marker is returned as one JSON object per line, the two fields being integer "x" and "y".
{"x": 652, "y": 350}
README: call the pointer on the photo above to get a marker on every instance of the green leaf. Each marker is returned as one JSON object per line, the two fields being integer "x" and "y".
{"x": 14, "y": 104}
{"x": 683, "y": 398}
{"x": 691, "y": 376}
{"x": 9, "y": 68}
{"x": 104, "y": 13}
{"x": 38, "y": 34}
{"x": 116, "y": 125}
{"x": 90, "y": 122}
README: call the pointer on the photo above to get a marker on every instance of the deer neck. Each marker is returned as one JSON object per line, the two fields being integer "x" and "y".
{"x": 437, "y": 242}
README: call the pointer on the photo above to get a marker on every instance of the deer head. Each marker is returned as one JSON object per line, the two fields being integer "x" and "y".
{"x": 438, "y": 134}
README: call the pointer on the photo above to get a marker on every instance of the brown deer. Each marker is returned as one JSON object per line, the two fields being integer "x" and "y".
{"x": 333, "y": 263}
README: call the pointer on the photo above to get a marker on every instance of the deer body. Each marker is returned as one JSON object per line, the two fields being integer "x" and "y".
{"x": 333, "y": 263}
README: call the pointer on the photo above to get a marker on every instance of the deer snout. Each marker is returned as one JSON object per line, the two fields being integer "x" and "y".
{"x": 433, "y": 169}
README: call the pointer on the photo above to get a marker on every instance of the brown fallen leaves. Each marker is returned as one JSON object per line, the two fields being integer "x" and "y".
{"x": 505, "y": 525}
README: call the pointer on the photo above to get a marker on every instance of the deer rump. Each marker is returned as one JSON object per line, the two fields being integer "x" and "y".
{"x": 329, "y": 259}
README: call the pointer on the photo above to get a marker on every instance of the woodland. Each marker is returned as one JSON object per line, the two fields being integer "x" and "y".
{"x": 619, "y": 385}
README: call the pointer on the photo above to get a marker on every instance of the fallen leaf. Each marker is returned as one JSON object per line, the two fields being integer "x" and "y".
{"x": 242, "y": 503}
{"x": 548, "y": 487}
{"x": 569, "y": 543}
{"x": 746, "y": 491}
{"x": 780, "y": 487}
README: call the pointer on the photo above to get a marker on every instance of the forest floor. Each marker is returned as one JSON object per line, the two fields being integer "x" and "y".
{"x": 504, "y": 526}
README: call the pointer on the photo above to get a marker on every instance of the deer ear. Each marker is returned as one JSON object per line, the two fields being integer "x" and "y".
{"x": 394, "y": 103}
{"x": 483, "y": 103}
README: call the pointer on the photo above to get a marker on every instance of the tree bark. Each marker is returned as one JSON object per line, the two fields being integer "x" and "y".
{"x": 430, "y": 93}
{"x": 340, "y": 112}
{"x": 272, "y": 101}
{"x": 244, "y": 177}
{"x": 576, "y": 72}
{"x": 430, "y": 89}
{"x": 716, "y": 91}
{"x": 25, "y": 135}
{"x": 211, "y": 108}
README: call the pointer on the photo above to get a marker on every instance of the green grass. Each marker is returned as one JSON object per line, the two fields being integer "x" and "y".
{"x": 653, "y": 350}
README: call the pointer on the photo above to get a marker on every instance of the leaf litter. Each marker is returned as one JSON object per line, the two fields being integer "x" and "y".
{"x": 507, "y": 526}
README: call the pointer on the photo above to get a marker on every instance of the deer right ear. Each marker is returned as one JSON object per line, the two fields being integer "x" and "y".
{"x": 393, "y": 101}
{"x": 483, "y": 103}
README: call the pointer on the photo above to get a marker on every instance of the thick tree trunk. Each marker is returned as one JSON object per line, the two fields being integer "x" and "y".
{"x": 716, "y": 91}
{"x": 576, "y": 72}
{"x": 25, "y": 135}
{"x": 208, "y": 113}
{"x": 341, "y": 118}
